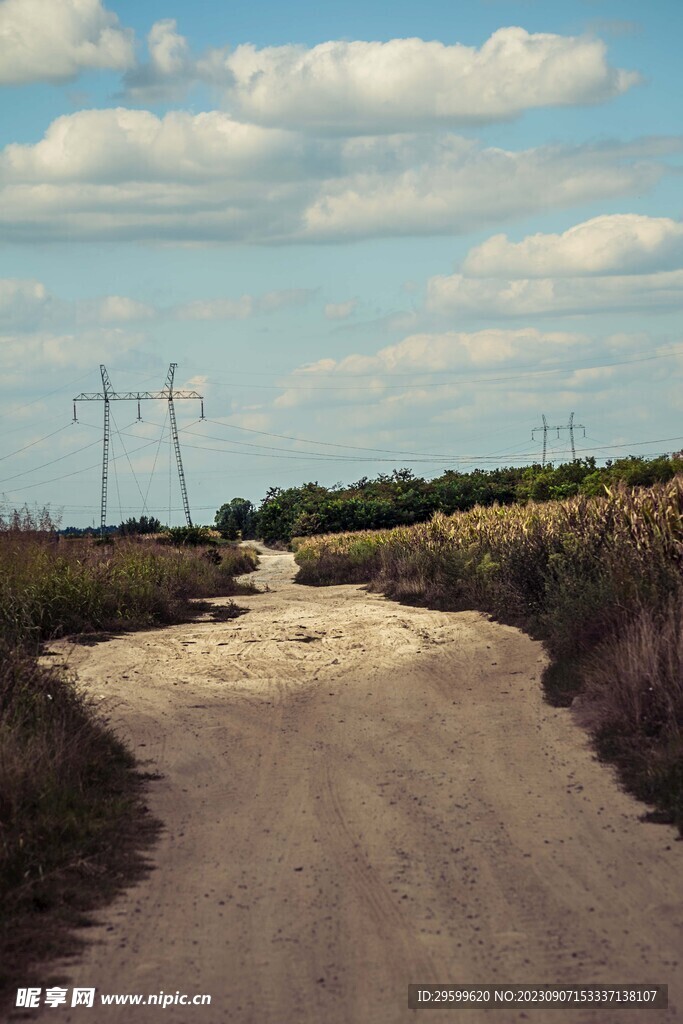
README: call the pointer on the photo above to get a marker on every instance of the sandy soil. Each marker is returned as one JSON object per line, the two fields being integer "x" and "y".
{"x": 358, "y": 795}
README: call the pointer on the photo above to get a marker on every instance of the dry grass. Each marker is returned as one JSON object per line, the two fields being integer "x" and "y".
{"x": 71, "y": 819}
{"x": 72, "y": 825}
{"x": 600, "y": 580}
{"x": 632, "y": 701}
{"x": 51, "y": 587}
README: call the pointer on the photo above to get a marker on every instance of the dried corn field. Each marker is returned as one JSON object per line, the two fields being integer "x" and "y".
{"x": 600, "y": 580}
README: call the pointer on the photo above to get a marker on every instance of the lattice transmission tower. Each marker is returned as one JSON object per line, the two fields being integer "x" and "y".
{"x": 167, "y": 394}
{"x": 571, "y": 426}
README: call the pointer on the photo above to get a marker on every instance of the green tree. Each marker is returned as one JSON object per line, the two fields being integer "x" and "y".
{"x": 236, "y": 519}
{"x": 145, "y": 524}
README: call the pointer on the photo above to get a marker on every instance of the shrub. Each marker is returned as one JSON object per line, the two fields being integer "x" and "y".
{"x": 190, "y": 536}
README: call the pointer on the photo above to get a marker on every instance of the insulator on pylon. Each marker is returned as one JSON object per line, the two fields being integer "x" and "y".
{"x": 139, "y": 413}
{"x": 202, "y": 415}
{"x": 75, "y": 420}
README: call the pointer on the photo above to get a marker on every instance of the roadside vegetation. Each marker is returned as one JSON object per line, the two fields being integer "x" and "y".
{"x": 598, "y": 579}
{"x": 71, "y": 817}
{"x": 401, "y": 498}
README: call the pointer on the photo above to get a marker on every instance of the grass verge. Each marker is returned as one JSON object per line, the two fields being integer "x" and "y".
{"x": 599, "y": 580}
{"x": 73, "y": 826}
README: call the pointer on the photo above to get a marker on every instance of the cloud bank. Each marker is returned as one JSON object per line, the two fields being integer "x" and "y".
{"x": 130, "y": 175}
{"x": 27, "y": 304}
{"x": 550, "y": 296}
{"x": 431, "y": 370}
{"x": 614, "y": 263}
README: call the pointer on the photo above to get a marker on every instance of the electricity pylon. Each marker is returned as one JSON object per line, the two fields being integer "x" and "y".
{"x": 571, "y": 427}
{"x": 545, "y": 429}
{"x": 167, "y": 394}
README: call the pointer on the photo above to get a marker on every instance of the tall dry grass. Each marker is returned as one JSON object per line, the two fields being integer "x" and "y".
{"x": 600, "y": 580}
{"x": 68, "y": 788}
{"x": 52, "y": 587}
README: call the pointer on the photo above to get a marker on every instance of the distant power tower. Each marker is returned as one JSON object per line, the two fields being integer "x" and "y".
{"x": 167, "y": 394}
{"x": 571, "y": 427}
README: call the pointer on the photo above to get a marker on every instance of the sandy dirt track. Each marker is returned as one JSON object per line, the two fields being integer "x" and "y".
{"x": 358, "y": 795}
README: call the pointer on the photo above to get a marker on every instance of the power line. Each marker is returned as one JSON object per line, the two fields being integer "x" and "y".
{"x": 307, "y": 456}
{"x": 76, "y": 472}
{"x": 33, "y": 423}
{"x": 33, "y": 443}
{"x": 116, "y": 481}
{"x": 50, "y": 463}
{"x": 308, "y": 440}
{"x": 90, "y": 508}
{"x": 301, "y": 457}
{"x": 48, "y": 394}
{"x": 289, "y": 451}
{"x": 130, "y": 466}
{"x": 328, "y": 444}
{"x": 156, "y": 456}
{"x": 333, "y": 444}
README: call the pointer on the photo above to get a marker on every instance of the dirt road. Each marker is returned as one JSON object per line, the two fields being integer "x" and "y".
{"x": 358, "y": 795}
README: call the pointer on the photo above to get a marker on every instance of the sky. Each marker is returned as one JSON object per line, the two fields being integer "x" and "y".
{"x": 371, "y": 235}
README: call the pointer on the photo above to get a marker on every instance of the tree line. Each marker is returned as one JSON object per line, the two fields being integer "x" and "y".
{"x": 401, "y": 498}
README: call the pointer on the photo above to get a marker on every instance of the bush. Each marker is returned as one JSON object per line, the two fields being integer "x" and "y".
{"x": 139, "y": 527}
{"x": 190, "y": 536}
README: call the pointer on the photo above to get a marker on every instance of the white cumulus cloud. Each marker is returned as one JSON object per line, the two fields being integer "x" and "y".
{"x": 130, "y": 175}
{"x": 23, "y": 353}
{"x": 170, "y": 68}
{"x": 24, "y": 303}
{"x": 122, "y": 145}
{"x": 417, "y": 358}
{"x": 113, "y": 309}
{"x": 429, "y": 352}
{"x": 612, "y": 244}
{"x": 27, "y": 305}
{"x": 168, "y": 50}
{"x": 461, "y": 378}
{"x": 497, "y": 297}
{"x": 613, "y": 263}
{"x": 356, "y": 86}
{"x": 404, "y": 84}
{"x": 55, "y": 40}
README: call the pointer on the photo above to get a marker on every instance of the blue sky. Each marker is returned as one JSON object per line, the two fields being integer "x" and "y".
{"x": 371, "y": 235}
